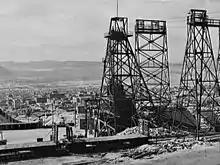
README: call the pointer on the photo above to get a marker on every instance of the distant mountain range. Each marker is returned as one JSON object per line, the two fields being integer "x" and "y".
{"x": 54, "y": 71}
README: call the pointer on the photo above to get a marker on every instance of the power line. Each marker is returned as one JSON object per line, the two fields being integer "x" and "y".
{"x": 214, "y": 12}
{"x": 173, "y": 18}
{"x": 177, "y": 27}
{"x": 177, "y": 21}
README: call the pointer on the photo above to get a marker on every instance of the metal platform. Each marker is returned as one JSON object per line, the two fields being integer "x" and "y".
{"x": 102, "y": 144}
{"x": 77, "y": 145}
{"x": 26, "y": 146}
{"x": 15, "y": 152}
{"x": 110, "y": 138}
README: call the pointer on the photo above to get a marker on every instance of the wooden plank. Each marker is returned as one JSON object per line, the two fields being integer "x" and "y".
{"x": 85, "y": 162}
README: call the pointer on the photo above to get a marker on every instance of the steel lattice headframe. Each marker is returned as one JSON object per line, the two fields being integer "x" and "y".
{"x": 218, "y": 58}
{"x": 152, "y": 51}
{"x": 198, "y": 83}
{"x": 123, "y": 91}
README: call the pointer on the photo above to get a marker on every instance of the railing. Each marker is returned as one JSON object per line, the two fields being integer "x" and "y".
{"x": 203, "y": 21}
{"x": 150, "y": 25}
{"x": 108, "y": 34}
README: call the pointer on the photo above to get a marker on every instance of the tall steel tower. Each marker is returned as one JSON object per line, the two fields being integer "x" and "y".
{"x": 218, "y": 59}
{"x": 151, "y": 48}
{"x": 198, "y": 83}
{"x": 124, "y": 93}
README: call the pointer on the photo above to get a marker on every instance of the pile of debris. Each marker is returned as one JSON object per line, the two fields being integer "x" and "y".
{"x": 163, "y": 132}
{"x": 166, "y": 147}
{"x": 129, "y": 131}
{"x": 153, "y": 132}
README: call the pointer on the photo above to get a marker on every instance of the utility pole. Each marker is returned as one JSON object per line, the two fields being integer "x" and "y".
{"x": 75, "y": 118}
{"x": 52, "y": 113}
{"x": 86, "y": 121}
{"x": 117, "y": 8}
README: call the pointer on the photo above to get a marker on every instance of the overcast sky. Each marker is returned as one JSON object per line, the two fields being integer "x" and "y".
{"x": 74, "y": 29}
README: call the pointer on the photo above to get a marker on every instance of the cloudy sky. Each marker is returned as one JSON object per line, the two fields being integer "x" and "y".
{"x": 74, "y": 29}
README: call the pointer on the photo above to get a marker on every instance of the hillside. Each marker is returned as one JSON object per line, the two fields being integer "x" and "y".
{"x": 54, "y": 71}
{"x": 175, "y": 72}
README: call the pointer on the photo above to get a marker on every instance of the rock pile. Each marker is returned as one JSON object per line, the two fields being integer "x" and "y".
{"x": 163, "y": 132}
{"x": 129, "y": 131}
{"x": 153, "y": 132}
{"x": 166, "y": 147}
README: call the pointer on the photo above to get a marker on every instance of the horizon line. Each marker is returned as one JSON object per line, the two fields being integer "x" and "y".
{"x": 64, "y": 61}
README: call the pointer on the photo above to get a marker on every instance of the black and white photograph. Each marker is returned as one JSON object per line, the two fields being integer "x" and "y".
{"x": 102, "y": 82}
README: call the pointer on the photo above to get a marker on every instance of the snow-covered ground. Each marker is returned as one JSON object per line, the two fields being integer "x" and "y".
{"x": 199, "y": 155}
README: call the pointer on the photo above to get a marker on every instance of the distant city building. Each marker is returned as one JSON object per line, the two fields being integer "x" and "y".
{"x": 31, "y": 102}
{"x": 11, "y": 102}
{"x": 79, "y": 100}
{"x": 81, "y": 109}
{"x": 57, "y": 95}
{"x": 42, "y": 100}
{"x": 17, "y": 104}
{"x": 3, "y": 103}
{"x": 74, "y": 100}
